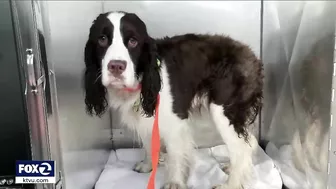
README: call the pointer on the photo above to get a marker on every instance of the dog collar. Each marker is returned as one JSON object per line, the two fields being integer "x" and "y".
{"x": 132, "y": 89}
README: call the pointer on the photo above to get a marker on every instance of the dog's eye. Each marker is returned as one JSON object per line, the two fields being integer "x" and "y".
{"x": 103, "y": 41}
{"x": 132, "y": 42}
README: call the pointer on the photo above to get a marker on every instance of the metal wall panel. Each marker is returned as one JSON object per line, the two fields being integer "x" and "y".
{"x": 51, "y": 104}
{"x": 30, "y": 49}
{"x": 298, "y": 43}
{"x": 25, "y": 32}
{"x": 332, "y": 147}
{"x": 14, "y": 127}
{"x": 238, "y": 19}
{"x": 85, "y": 140}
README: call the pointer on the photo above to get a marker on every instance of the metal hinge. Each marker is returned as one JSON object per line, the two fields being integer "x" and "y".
{"x": 32, "y": 81}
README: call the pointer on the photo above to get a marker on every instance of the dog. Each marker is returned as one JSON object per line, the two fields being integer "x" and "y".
{"x": 211, "y": 78}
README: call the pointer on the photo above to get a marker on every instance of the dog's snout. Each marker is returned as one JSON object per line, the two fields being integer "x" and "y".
{"x": 116, "y": 67}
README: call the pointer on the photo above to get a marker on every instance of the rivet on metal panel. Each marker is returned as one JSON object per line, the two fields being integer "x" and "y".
{"x": 51, "y": 72}
{"x": 331, "y": 120}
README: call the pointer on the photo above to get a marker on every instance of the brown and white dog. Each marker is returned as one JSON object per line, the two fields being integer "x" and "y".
{"x": 210, "y": 78}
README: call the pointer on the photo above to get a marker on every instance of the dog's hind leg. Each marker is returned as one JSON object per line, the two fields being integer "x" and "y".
{"x": 240, "y": 152}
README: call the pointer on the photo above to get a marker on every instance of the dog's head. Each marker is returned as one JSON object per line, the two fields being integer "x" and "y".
{"x": 120, "y": 55}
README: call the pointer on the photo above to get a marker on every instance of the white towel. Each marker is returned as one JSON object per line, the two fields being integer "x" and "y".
{"x": 118, "y": 173}
{"x": 291, "y": 176}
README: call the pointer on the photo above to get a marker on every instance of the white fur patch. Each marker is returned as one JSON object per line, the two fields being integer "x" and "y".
{"x": 118, "y": 51}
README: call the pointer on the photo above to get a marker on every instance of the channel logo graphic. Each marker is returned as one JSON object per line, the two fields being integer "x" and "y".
{"x": 35, "y": 172}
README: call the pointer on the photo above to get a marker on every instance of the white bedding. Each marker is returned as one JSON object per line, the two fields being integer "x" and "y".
{"x": 118, "y": 173}
{"x": 291, "y": 176}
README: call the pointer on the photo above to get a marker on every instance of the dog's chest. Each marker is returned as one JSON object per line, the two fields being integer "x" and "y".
{"x": 133, "y": 119}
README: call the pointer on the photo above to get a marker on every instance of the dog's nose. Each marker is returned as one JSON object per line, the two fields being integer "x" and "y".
{"x": 116, "y": 67}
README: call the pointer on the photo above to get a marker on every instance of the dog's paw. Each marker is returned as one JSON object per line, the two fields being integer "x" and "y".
{"x": 173, "y": 186}
{"x": 143, "y": 167}
{"x": 225, "y": 167}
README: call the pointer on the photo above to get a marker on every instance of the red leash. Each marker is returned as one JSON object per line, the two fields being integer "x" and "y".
{"x": 155, "y": 146}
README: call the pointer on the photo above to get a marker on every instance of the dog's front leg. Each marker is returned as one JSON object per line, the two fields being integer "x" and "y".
{"x": 179, "y": 146}
{"x": 145, "y": 166}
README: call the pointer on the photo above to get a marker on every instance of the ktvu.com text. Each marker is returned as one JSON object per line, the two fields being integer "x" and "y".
{"x": 35, "y": 172}
{"x": 33, "y": 180}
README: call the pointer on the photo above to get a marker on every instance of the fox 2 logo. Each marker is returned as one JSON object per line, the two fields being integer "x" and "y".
{"x": 35, "y": 168}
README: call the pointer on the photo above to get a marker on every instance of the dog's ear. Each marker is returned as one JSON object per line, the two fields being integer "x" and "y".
{"x": 151, "y": 78}
{"x": 95, "y": 92}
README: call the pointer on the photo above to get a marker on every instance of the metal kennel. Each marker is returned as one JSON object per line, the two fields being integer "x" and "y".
{"x": 43, "y": 114}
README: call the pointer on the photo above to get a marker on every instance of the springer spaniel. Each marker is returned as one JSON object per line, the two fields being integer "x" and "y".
{"x": 211, "y": 78}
